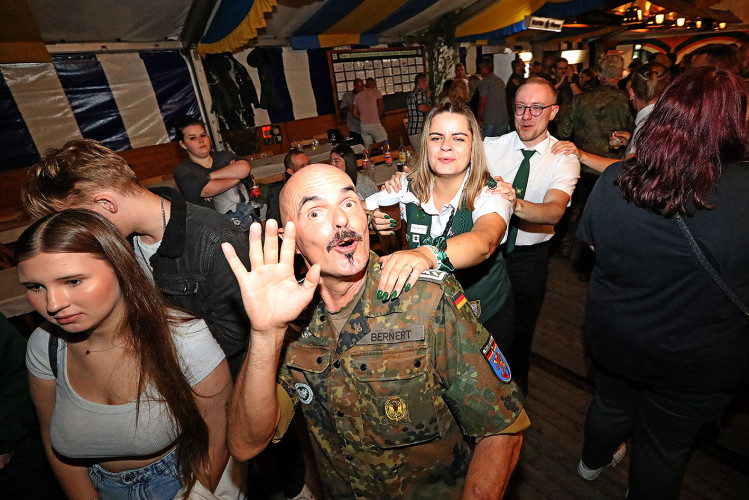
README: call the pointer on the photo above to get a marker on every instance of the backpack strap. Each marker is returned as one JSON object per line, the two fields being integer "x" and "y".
{"x": 52, "y": 353}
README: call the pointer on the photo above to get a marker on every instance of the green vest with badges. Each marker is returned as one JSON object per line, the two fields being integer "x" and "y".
{"x": 486, "y": 285}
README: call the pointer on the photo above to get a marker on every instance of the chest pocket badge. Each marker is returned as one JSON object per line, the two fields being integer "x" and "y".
{"x": 395, "y": 408}
{"x": 305, "y": 393}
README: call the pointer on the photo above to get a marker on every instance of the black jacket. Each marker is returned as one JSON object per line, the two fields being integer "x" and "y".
{"x": 191, "y": 271}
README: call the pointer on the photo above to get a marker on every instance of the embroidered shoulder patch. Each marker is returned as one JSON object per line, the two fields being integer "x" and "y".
{"x": 496, "y": 360}
{"x": 476, "y": 307}
{"x": 433, "y": 275}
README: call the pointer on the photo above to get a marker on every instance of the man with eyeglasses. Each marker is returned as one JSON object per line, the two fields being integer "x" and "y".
{"x": 539, "y": 184}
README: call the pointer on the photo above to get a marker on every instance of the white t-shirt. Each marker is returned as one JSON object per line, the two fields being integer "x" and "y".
{"x": 84, "y": 430}
{"x": 144, "y": 252}
{"x": 487, "y": 202}
{"x": 548, "y": 171}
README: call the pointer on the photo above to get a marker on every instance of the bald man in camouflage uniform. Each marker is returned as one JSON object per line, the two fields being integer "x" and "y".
{"x": 390, "y": 386}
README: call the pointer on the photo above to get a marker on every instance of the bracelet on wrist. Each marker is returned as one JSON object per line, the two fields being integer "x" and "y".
{"x": 443, "y": 261}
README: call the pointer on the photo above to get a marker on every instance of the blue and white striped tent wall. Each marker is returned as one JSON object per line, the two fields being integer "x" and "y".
{"x": 129, "y": 100}
{"x": 123, "y": 100}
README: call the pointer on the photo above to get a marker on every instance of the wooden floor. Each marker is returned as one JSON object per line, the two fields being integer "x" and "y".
{"x": 560, "y": 390}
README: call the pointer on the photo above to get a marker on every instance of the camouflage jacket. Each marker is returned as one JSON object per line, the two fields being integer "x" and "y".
{"x": 593, "y": 115}
{"x": 388, "y": 400}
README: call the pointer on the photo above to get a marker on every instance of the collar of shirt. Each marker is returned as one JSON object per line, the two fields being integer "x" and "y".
{"x": 542, "y": 147}
{"x": 429, "y": 207}
{"x": 643, "y": 113}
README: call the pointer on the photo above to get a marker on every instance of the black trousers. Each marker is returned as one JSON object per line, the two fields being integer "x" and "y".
{"x": 663, "y": 425}
{"x": 527, "y": 267}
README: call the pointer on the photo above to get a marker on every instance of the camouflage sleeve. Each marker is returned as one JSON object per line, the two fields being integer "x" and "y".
{"x": 288, "y": 399}
{"x": 565, "y": 124}
{"x": 474, "y": 375}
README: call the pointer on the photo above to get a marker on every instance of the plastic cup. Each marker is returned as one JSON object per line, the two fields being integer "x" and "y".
{"x": 390, "y": 205}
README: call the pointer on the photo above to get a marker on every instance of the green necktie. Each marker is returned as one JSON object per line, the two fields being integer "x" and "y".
{"x": 520, "y": 182}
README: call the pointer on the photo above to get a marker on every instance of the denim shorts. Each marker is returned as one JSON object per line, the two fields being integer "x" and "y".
{"x": 157, "y": 481}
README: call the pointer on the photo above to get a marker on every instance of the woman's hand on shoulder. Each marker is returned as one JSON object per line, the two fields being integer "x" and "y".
{"x": 505, "y": 190}
{"x": 566, "y": 148}
{"x": 401, "y": 270}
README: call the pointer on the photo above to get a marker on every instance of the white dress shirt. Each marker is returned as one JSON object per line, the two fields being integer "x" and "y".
{"x": 548, "y": 171}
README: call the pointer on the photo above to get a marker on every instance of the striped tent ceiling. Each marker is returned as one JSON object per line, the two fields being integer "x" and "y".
{"x": 307, "y": 24}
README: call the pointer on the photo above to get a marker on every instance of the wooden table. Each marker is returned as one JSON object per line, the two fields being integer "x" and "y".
{"x": 271, "y": 169}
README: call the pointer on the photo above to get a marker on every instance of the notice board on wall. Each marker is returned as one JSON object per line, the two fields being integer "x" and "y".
{"x": 394, "y": 71}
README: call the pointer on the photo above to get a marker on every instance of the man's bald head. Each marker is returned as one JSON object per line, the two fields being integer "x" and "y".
{"x": 289, "y": 199}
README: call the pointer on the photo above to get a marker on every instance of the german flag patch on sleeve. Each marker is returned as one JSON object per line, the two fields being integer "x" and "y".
{"x": 459, "y": 299}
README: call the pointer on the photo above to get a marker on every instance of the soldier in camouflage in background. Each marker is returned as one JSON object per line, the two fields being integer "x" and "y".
{"x": 388, "y": 386}
{"x": 589, "y": 123}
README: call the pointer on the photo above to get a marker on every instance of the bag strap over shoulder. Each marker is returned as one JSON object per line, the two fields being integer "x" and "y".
{"x": 52, "y": 353}
{"x": 709, "y": 267}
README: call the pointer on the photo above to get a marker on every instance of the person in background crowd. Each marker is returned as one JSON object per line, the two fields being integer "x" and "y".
{"x": 566, "y": 82}
{"x": 371, "y": 83}
{"x": 392, "y": 392}
{"x": 673, "y": 67}
{"x": 176, "y": 242}
{"x": 24, "y": 470}
{"x": 647, "y": 84}
{"x": 458, "y": 91}
{"x": 419, "y": 105}
{"x": 212, "y": 179}
{"x": 454, "y": 221}
{"x": 590, "y": 122}
{"x": 669, "y": 347}
{"x": 517, "y": 78}
{"x": 524, "y": 162}
{"x": 535, "y": 69}
{"x": 686, "y": 62}
{"x": 744, "y": 61}
{"x": 369, "y": 109}
{"x": 131, "y": 395}
{"x": 632, "y": 67}
{"x": 588, "y": 79}
{"x": 294, "y": 161}
{"x": 344, "y": 158}
{"x": 492, "y": 114}
{"x": 460, "y": 73}
{"x": 474, "y": 81}
{"x": 718, "y": 55}
{"x": 548, "y": 67}
{"x": 347, "y": 103}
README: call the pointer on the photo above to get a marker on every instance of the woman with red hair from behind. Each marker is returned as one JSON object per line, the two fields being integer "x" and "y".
{"x": 669, "y": 346}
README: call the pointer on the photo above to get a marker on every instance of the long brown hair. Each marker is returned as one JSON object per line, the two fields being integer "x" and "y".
{"x": 420, "y": 180}
{"x": 146, "y": 324}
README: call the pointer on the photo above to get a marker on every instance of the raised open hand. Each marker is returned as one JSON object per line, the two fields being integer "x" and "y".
{"x": 270, "y": 293}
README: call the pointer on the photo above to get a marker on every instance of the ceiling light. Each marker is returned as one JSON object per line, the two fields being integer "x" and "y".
{"x": 721, "y": 26}
{"x": 698, "y": 24}
{"x": 659, "y": 18}
{"x": 680, "y": 22}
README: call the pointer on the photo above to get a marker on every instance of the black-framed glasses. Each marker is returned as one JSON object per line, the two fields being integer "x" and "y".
{"x": 536, "y": 109}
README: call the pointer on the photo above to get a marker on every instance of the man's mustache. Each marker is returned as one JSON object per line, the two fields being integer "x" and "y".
{"x": 343, "y": 235}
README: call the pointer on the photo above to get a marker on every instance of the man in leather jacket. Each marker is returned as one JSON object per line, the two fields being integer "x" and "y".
{"x": 177, "y": 242}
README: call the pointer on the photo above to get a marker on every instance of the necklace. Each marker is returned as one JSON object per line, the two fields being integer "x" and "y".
{"x": 163, "y": 214}
{"x": 89, "y": 351}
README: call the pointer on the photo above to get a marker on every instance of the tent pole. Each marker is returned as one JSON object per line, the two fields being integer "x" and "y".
{"x": 200, "y": 83}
